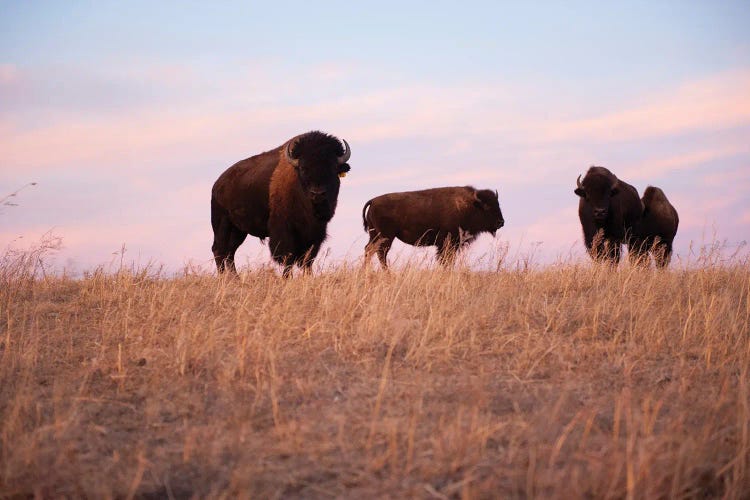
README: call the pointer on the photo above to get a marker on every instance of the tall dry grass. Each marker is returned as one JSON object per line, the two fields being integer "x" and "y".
{"x": 568, "y": 381}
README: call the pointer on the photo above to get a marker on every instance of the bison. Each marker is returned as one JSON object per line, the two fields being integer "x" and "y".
{"x": 609, "y": 209}
{"x": 447, "y": 217}
{"x": 657, "y": 228}
{"x": 287, "y": 194}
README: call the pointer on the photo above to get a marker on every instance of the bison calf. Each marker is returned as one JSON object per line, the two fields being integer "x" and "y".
{"x": 448, "y": 218}
{"x": 658, "y": 227}
{"x": 609, "y": 209}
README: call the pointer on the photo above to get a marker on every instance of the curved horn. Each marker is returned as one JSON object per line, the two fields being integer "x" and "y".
{"x": 288, "y": 152}
{"x": 578, "y": 181}
{"x": 496, "y": 195}
{"x": 478, "y": 200}
{"x": 347, "y": 153}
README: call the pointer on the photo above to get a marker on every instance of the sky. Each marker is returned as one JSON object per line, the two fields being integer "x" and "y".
{"x": 125, "y": 113}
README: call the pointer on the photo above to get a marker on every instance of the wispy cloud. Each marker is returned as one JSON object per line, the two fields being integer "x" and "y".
{"x": 458, "y": 114}
{"x": 8, "y": 74}
{"x": 660, "y": 166}
{"x": 714, "y": 103}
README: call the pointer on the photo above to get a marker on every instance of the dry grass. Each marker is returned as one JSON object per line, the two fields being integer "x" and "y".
{"x": 563, "y": 382}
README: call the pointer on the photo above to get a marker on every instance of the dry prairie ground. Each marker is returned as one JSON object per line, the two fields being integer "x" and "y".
{"x": 563, "y": 382}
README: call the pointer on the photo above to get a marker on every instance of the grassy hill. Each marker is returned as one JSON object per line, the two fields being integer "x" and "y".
{"x": 572, "y": 380}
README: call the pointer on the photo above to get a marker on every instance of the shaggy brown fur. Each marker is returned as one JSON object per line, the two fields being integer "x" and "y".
{"x": 286, "y": 194}
{"x": 448, "y": 218}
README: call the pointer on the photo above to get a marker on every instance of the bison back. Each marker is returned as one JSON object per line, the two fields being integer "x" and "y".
{"x": 243, "y": 191}
{"x": 660, "y": 217}
{"x": 417, "y": 216}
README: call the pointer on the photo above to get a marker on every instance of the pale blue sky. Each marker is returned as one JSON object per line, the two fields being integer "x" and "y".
{"x": 588, "y": 42}
{"x": 126, "y": 113}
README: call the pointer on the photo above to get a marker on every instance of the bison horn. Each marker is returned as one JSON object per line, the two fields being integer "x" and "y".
{"x": 347, "y": 153}
{"x": 288, "y": 152}
{"x": 578, "y": 181}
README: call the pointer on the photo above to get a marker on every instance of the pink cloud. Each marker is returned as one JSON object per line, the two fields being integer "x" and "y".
{"x": 733, "y": 177}
{"x": 696, "y": 212}
{"x": 660, "y": 166}
{"x": 393, "y": 113}
{"x": 9, "y": 74}
{"x": 715, "y": 103}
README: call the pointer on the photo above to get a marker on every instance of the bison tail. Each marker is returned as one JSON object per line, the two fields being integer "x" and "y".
{"x": 364, "y": 216}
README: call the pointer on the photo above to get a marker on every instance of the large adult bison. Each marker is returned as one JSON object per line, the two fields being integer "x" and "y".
{"x": 658, "y": 227}
{"x": 447, "y": 217}
{"x": 609, "y": 209}
{"x": 287, "y": 194}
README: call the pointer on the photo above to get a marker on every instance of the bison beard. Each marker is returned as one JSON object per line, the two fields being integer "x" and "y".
{"x": 287, "y": 194}
{"x": 448, "y": 218}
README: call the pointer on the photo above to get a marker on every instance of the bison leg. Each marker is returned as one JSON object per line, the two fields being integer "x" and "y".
{"x": 638, "y": 253}
{"x": 282, "y": 250}
{"x": 227, "y": 239}
{"x": 219, "y": 224}
{"x": 377, "y": 244}
{"x": 605, "y": 250}
{"x": 447, "y": 250}
{"x": 609, "y": 251}
{"x": 595, "y": 243}
{"x": 615, "y": 251}
{"x": 383, "y": 247}
{"x": 287, "y": 271}
{"x": 288, "y": 252}
{"x": 236, "y": 238}
{"x": 662, "y": 254}
{"x": 308, "y": 258}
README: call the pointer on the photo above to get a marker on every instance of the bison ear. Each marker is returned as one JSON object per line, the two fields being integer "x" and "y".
{"x": 580, "y": 192}
{"x": 343, "y": 168}
{"x": 615, "y": 186}
{"x": 289, "y": 153}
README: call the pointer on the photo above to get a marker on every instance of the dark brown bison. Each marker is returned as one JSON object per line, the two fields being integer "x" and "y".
{"x": 287, "y": 194}
{"x": 448, "y": 217}
{"x": 658, "y": 227}
{"x": 609, "y": 209}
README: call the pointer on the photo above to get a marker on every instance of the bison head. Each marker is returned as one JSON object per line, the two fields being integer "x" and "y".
{"x": 597, "y": 189}
{"x": 319, "y": 160}
{"x": 491, "y": 217}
